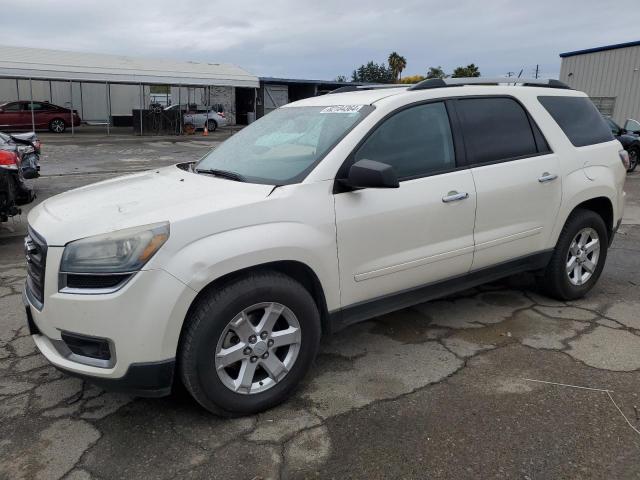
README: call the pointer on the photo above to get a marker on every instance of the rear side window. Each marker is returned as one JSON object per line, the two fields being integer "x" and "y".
{"x": 495, "y": 129}
{"x": 579, "y": 119}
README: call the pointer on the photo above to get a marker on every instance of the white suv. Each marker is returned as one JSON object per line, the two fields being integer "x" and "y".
{"x": 223, "y": 274}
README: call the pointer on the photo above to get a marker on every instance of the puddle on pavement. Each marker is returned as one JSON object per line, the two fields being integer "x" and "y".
{"x": 524, "y": 325}
{"x": 406, "y": 326}
{"x": 504, "y": 299}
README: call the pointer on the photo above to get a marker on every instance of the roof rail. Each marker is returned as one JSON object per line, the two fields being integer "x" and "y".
{"x": 458, "y": 82}
{"x": 356, "y": 88}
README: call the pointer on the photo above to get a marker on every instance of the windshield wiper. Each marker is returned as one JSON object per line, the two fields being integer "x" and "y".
{"x": 222, "y": 173}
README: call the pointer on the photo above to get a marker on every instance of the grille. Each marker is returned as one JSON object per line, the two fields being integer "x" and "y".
{"x": 35, "y": 248}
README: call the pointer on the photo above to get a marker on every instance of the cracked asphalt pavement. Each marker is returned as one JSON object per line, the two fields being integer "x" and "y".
{"x": 480, "y": 384}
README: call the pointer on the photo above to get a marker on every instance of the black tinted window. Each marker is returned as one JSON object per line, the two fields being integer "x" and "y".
{"x": 416, "y": 141}
{"x": 495, "y": 129}
{"x": 613, "y": 126}
{"x": 579, "y": 119}
{"x": 12, "y": 107}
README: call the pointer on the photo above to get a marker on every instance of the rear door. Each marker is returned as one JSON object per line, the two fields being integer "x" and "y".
{"x": 516, "y": 177}
{"x": 390, "y": 240}
{"x": 40, "y": 114}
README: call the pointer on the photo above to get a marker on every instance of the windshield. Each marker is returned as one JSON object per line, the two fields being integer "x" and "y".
{"x": 284, "y": 145}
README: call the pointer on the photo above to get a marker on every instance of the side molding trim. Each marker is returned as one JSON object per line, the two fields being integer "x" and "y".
{"x": 359, "y": 312}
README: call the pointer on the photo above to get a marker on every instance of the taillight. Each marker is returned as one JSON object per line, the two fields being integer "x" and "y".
{"x": 624, "y": 156}
{"x": 8, "y": 159}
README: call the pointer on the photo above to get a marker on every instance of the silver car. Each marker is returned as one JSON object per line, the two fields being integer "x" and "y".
{"x": 200, "y": 116}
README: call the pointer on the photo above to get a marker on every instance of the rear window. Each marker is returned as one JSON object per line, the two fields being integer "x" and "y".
{"x": 579, "y": 119}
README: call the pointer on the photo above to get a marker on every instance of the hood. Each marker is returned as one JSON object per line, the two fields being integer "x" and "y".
{"x": 166, "y": 194}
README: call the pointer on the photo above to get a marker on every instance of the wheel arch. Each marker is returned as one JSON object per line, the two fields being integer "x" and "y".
{"x": 294, "y": 269}
{"x": 602, "y": 205}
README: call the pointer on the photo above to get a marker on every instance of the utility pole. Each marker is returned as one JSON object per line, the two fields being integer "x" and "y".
{"x": 537, "y": 70}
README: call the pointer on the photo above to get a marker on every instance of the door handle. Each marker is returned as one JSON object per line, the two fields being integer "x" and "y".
{"x": 547, "y": 177}
{"x": 454, "y": 196}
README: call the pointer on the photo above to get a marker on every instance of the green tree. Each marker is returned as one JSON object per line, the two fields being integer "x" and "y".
{"x": 341, "y": 78}
{"x": 372, "y": 73}
{"x": 469, "y": 71}
{"x": 412, "y": 79}
{"x": 436, "y": 72}
{"x": 397, "y": 63}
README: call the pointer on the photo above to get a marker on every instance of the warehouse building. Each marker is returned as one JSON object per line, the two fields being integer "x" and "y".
{"x": 275, "y": 92}
{"x": 610, "y": 75}
{"x": 115, "y": 90}
{"x": 107, "y": 89}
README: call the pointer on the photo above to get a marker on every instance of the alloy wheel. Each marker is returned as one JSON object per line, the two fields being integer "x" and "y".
{"x": 258, "y": 348}
{"x": 57, "y": 126}
{"x": 583, "y": 255}
{"x": 633, "y": 159}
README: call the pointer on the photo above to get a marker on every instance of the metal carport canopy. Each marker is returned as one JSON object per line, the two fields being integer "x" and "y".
{"x": 37, "y": 63}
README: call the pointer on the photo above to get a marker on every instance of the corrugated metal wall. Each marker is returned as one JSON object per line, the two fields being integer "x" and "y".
{"x": 90, "y": 99}
{"x": 606, "y": 74}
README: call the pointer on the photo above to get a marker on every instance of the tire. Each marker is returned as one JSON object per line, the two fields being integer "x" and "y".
{"x": 207, "y": 330}
{"x": 634, "y": 156}
{"x": 57, "y": 125}
{"x": 562, "y": 284}
{"x": 212, "y": 125}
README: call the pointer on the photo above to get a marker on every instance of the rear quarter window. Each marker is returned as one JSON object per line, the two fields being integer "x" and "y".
{"x": 579, "y": 119}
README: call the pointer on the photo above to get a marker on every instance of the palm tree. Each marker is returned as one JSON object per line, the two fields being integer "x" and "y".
{"x": 397, "y": 63}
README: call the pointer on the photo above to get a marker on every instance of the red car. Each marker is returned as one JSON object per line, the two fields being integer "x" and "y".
{"x": 17, "y": 115}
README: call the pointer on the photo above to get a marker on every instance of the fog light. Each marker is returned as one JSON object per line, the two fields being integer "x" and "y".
{"x": 87, "y": 346}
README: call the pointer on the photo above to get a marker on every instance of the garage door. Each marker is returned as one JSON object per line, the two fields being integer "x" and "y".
{"x": 275, "y": 96}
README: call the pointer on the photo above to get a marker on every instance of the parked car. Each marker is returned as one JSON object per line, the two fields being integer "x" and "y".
{"x": 630, "y": 141}
{"x": 27, "y": 147}
{"x": 224, "y": 273}
{"x": 18, "y": 160}
{"x": 198, "y": 116}
{"x": 17, "y": 115}
{"x": 632, "y": 126}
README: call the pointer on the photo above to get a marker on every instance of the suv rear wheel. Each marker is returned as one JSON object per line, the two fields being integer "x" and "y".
{"x": 578, "y": 258}
{"x": 246, "y": 346}
{"x": 211, "y": 125}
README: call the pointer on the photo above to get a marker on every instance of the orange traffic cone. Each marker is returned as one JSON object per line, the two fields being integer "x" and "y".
{"x": 205, "y": 132}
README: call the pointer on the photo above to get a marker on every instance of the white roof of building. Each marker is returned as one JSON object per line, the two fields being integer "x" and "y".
{"x": 21, "y": 62}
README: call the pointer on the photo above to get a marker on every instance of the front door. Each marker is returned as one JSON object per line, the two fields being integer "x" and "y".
{"x": 390, "y": 240}
{"x": 11, "y": 116}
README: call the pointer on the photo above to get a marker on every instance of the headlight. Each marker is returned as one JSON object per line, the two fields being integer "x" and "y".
{"x": 117, "y": 252}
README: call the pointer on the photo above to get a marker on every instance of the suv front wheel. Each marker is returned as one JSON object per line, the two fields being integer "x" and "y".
{"x": 578, "y": 258}
{"x": 246, "y": 346}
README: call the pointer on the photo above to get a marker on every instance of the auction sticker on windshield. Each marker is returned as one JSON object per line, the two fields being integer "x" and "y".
{"x": 342, "y": 109}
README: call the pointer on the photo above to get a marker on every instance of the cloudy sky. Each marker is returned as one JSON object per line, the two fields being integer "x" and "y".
{"x": 325, "y": 38}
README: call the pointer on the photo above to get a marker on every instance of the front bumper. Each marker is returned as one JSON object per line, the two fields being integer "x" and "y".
{"x": 141, "y": 322}
{"x": 151, "y": 379}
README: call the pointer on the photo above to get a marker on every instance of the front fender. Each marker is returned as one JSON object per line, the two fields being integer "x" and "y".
{"x": 205, "y": 260}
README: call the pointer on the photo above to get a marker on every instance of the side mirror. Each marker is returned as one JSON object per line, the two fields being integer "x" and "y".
{"x": 371, "y": 174}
